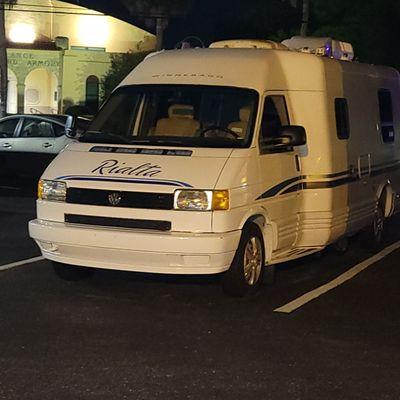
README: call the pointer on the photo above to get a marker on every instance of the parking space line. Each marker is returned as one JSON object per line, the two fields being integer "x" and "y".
{"x": 20, "y": 263}
{"x": 351, "y": 273}
{"x": 8, "y": 188}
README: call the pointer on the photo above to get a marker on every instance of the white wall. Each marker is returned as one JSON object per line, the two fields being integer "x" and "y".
{"x": 40, "y": 86}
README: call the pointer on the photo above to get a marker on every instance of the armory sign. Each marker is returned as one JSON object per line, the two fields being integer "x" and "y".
{"x": 27, "y": 60}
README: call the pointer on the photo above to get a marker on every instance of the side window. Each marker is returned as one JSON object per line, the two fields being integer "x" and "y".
{"x": 342, "y": 119}
{"x": 34, "y": 128}
{"x": 386, "y": 115}
{"x": 275, "y": 116}
{"x": 7, "y": 127}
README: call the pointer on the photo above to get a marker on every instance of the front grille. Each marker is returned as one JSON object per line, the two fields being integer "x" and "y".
{"x": 118, "y": 222}
{"x": 95, "y": 197}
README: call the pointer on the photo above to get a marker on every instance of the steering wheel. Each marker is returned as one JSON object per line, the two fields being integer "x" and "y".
{"x": 218, "y": 128}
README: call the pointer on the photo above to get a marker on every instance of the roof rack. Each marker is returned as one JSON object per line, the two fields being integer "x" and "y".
{"x": 320, "y": 46}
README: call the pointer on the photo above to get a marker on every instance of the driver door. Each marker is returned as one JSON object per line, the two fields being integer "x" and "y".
{"x": 280, "y": 170}
{"x": 33, "y": 147}
{"x": 8, "y": 129}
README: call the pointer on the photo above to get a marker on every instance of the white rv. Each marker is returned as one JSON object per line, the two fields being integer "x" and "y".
{"x": 225, "y": 160}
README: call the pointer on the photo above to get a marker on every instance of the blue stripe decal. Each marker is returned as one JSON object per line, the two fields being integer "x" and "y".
{"x": 163, "y": 182}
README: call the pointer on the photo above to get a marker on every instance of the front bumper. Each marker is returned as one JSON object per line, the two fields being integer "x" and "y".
{"x": 134, "y": 250}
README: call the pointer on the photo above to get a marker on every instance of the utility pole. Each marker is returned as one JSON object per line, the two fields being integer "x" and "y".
{"x": 161, "y": 25}
{"x": 305, "y": 18}
{"x": 3, "y": 57}
{"x": 3, "y": 63}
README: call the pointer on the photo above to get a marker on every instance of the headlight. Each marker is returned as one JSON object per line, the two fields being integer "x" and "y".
{"x": 201, "y": 200}
{"x": 52, "y": 190}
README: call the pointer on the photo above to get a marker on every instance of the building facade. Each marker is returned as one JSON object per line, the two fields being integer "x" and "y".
{"x": 58, "y": 55}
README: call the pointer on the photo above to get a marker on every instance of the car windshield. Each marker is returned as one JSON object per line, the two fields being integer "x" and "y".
{"x": 176, "y": 115}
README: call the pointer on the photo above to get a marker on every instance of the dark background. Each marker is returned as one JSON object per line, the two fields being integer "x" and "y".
{"x": 372, "y": 26}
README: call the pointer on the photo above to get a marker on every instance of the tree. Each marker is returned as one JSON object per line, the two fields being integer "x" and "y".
{"x": 371, "y": 26}
{"x": 121, "y": 65}
{"x": 3, "y": 57}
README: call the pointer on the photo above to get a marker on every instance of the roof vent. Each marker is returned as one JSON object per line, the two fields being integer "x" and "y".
{"x": 248, "y": 44}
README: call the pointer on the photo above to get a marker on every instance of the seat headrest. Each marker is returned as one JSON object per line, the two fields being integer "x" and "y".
{"x": 244, "y": 114}
{"x": 181, "y": 111}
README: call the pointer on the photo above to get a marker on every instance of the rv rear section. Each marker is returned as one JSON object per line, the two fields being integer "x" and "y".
{"x": 225, "y": 160}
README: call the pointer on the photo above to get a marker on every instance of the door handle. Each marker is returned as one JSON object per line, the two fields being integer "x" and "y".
{"x": 47, "y": 145}
{"x": 7, "y": 145}
{"x": 353, "y": 171}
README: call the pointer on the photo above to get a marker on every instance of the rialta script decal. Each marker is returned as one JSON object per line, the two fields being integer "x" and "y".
{"x": 110, "y": 167}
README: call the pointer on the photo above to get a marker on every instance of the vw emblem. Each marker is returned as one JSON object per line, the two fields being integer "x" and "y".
{"x": 114, "y": 198}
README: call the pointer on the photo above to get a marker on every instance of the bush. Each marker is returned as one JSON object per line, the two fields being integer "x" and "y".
{"x": 121, "y": 66}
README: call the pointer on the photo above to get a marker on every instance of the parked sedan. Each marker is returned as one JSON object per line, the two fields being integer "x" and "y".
{"x": 28, "y": 143}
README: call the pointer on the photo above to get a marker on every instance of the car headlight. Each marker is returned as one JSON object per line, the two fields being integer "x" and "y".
{"x": 201, "y": 200}
{"x": 52, "y": 190}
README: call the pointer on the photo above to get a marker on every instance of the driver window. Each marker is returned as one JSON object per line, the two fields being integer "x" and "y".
{"x": 275, "y": 116}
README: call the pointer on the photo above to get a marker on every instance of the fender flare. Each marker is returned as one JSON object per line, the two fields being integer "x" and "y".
{"x": 260, "y": 217}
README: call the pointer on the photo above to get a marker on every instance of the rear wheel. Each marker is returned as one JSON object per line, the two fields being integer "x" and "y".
{"x": 72, "y": 273}
{"x": 341, "y": 246}
{"x": 374, "y": 234}
{"x": 245, "y": 274}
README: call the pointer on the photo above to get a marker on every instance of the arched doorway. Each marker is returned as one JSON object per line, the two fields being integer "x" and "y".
{"x": 12, "y": 93}
{"x": 92, "y": 93}
{"x": 41, "y": 96}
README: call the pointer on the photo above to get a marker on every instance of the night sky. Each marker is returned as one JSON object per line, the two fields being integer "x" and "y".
{"x": 372, "y": 26}
{"x": 215, "y": 20}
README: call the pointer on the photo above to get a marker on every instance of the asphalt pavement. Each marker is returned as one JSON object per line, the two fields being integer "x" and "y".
{"x": 122, "y": 335}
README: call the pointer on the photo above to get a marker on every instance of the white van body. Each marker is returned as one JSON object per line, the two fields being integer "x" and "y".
{"x": 302, "y": 198}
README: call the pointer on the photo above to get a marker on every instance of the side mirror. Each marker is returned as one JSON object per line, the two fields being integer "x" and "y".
{"x": 70, "y": 126}
{"x": 293, "y": 135}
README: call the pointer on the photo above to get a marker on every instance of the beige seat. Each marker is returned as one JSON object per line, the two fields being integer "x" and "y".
{"x": 180, "y": 122}
{"x": 240, "y": 127}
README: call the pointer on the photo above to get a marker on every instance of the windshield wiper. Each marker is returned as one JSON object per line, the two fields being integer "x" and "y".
{"x": 102, "y": 137}
{"x": 158, "y": 141}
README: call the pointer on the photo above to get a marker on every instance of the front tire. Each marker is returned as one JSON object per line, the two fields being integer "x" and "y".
{"x": 72, "y": 273}
{"x": 246, "y": 272}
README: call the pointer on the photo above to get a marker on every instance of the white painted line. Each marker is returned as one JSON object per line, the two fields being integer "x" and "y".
{"x": 8, "y": 188}
{"x": 351, "y": 273}
{"x": 19, "y": 263}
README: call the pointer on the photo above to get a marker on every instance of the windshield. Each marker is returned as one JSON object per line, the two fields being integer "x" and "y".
{"x": 176, "y": 115}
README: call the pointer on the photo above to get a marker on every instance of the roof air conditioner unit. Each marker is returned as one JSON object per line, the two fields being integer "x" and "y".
{"x": 248, "y": 44}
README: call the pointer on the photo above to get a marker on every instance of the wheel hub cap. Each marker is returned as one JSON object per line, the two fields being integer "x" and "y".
{"x": 252, "y": 261}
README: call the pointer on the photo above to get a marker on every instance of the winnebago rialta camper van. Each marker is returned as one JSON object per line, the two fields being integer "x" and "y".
{"x": 225, "y": 160}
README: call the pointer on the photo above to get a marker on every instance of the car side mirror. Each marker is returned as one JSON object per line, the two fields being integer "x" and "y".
{"x": 70, "y": 126}
{"x": 293, "y": 135}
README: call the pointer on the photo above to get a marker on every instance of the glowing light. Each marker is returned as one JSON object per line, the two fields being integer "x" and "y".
{"x": 22, "y": 33}
{"x": 93, "y": 31}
